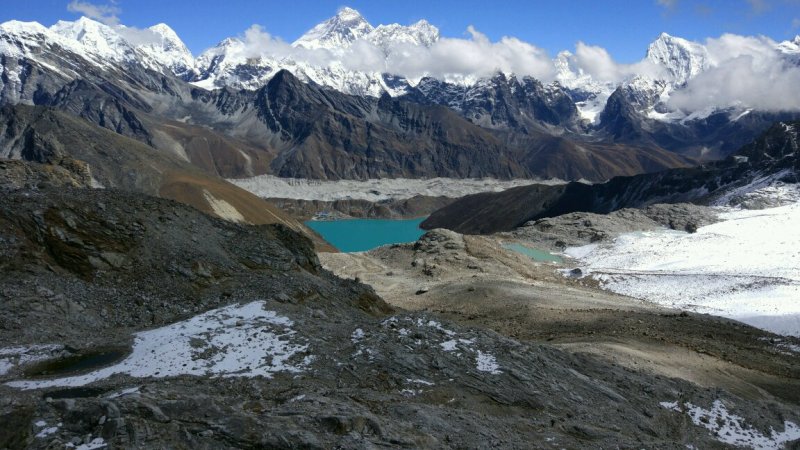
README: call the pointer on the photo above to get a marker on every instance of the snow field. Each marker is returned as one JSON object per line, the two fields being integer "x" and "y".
{"x": 746, "y": 267}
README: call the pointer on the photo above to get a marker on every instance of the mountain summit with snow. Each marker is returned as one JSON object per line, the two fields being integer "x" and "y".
{"x": 682, "y": 59}
{"x": 341, "y": 30}
{"x": 156, "y": 48}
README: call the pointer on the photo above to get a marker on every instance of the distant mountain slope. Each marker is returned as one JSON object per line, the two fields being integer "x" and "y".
{"x": 333, "y": 135}
{"x": 113, "y": 161}
{"x": 773, "y": 157}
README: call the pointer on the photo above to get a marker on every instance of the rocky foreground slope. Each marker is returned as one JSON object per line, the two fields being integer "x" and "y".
{"x": 132, "y": 321}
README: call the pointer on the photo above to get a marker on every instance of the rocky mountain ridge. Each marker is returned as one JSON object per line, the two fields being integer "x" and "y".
{"x": 770, "y": 159}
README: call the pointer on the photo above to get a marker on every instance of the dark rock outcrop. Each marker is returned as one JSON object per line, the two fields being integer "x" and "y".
{"x": 502, "y": 102}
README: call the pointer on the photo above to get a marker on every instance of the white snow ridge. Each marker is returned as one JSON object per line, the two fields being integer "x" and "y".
{"x": 234, "y": 341}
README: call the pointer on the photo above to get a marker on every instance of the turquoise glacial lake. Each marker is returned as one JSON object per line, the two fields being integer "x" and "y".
{"x": 534, "y": 253}
{"x": 359, "y": 235}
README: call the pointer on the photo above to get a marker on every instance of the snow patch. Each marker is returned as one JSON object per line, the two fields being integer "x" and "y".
{"x": 96, "y": 443}
{"x": 580, "y": 252}
{"x": 357, "y": 335}
{"x": 124, "y": 392}
{"x": 731, "y": 429}
{"x": 234, "y": 341}
{"x": 46, "y": 431}
{"x": 452, "y": 344}
{"x": 766, "y": 189}
{"x": 447, "y": 340}
{"x": 487, "y": 363}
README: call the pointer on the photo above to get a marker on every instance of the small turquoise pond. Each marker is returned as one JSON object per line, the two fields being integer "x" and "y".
{"x": 358, "y": 235}
{"x": 533, "y": 253}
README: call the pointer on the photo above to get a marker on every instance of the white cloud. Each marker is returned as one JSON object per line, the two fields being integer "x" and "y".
{"x": 461, "y": 59}
{"x": 106, "y": 13}
{"x": 448, "y": 58}
{"x": 746, "y": 72}
{"x": 597, "y": 62}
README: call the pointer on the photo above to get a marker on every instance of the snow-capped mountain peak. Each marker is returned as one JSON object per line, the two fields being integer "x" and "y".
{"x": 98, "y": 40}
{"x": 167, "y": 39}
{"x": 157, "y": 48}
{"x": 22, "y": 39}
{"x": 348, "y": 14}
{"x": 341, "y": 30}
{"x": 683, "y": 59}
{"x": 791, "y": 49}
{"x": 161, "y": 44}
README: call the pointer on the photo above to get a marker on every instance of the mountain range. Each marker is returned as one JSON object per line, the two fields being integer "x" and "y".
{"x": 255, "y": 104}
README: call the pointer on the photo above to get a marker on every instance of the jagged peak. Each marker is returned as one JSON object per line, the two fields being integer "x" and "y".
{"x": 94, "y": 36}
{"x": 349, "y": 14}
{"x": 682, "y": 58}
{"x": 223, "y": 46}
{"x": 169, "y": 41}
{"x": 285, "y": 78}
{"x": 339, "y": 31}
{"x": 165, "y": 31}
{"x": 81, "y": 25}
{"x": 423, "y": 24}
{"x": 228, "y": 42}
{"x": 670, "y": 40}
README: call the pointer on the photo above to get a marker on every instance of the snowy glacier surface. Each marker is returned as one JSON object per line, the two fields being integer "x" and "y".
{"x": 746, "y": 267}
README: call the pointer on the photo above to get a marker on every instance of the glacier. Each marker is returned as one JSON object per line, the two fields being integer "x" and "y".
{"x": 745, "y": 267}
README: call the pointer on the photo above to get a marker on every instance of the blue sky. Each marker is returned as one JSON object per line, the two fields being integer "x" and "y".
{"x": 623, "y": 27}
